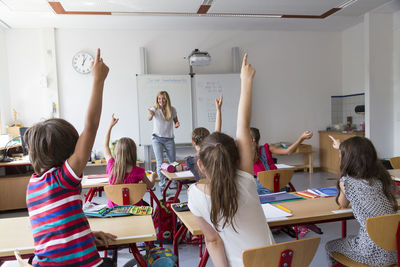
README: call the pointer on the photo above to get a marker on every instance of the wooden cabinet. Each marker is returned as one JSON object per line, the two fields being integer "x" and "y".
{"x": 328, "y": 156}
{"x": 13, "y": 191}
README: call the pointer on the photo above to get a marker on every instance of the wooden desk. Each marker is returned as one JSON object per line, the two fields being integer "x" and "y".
{"x": 395, "y": 173}
{"x": 171, "y": 176}
{"x": 318, "y": 210}
{"x": 17, "y": 233}
{"x": 308, "y": 158}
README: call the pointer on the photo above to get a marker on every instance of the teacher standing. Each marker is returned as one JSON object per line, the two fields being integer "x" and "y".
{"x": 165, "y": 119}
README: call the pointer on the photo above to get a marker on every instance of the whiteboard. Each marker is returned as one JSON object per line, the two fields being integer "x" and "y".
{"x": 208, "y": 87}
{"x": 179, "y": 90}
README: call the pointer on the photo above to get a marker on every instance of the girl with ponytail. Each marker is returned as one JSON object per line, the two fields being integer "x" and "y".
{"x": 227, "y": 207}
{"x": 122, "y": 167}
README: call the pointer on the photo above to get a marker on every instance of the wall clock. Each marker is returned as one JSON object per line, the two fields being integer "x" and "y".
{"x": 82, "y": 62}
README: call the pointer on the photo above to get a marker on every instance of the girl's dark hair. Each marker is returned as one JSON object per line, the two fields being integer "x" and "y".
{"x": 220, "y": 157}
{"x": 199, "y": 134}
{"x": 255, "y": 135}
{"x": 359, "y": 160}
{"x": 50, "y": 143}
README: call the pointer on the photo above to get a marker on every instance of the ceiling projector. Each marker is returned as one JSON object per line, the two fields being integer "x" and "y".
{"x": 198, "y": 58}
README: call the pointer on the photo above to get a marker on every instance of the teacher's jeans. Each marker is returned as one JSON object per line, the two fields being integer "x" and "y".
{"x": 159, "y": 144}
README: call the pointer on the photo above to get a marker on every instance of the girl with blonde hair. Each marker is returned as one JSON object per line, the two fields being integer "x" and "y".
{"x": 122, "y": 167}
{"x": 165, "y": 118}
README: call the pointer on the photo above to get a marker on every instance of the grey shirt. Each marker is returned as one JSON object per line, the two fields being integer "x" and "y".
{"x": 162, "y": 127}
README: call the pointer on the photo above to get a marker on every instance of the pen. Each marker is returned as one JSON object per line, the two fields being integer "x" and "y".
{"x": 283, "y": 208}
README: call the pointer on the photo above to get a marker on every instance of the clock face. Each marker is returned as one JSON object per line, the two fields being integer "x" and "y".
{"x": 82, "y": 62}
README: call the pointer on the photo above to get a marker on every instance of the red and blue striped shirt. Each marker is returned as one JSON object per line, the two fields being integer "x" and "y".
{"x": 61, "y": 232}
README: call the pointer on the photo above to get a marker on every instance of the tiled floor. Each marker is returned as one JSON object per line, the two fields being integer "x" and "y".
{"x": 189, "y": 253}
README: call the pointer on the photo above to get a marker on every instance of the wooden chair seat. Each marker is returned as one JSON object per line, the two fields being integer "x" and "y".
{"x": 269, "y": 256}
{"x": 382, "y": 230}
{"x": 267, "y": 178}
{"x": 395, "y": 162}
{"x": 136, "y": 192}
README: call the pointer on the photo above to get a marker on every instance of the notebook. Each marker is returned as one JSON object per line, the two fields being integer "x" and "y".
{"x": 278, "y": 197}
{"x": 329, "y": 191}
{"x": 273, "y": 213}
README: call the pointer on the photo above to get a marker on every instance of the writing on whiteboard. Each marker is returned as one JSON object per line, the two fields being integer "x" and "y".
{"x": 214, "y": 90}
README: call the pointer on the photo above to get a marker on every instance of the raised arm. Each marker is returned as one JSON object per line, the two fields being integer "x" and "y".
{"x": 107, "y": 151}
{"x": 218, "y": 120}
{"x": 151, "y": 113}
{"x": 83, "y": 147}
{"x": 293, "y": 147}
{"x": 243, "y": 137}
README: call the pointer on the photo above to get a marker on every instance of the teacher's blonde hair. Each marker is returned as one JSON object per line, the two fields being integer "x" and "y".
{"x": 168, "y": 109}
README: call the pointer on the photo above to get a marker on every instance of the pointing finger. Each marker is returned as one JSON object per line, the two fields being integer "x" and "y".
{"x": 244, "y": 60}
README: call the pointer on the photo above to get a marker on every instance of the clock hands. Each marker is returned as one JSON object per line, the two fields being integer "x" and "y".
{"x": 84, "y": 59}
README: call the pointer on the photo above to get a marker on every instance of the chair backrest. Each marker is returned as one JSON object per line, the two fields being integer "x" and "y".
{"x": 267, "y": 178}
{"x": 382, "y": 230}
{"x": 21, "y": 262}
{"x": 136, "y": 192}
{"x": 303, "y": 253}
{"x": 395, "y": 162}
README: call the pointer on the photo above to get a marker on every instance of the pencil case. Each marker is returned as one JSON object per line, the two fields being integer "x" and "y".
{"x": 168, "y": 167}
{"x": 181, "y": 207}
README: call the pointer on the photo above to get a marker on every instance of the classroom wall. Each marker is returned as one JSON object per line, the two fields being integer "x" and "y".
{"x": 396, "y": 83}
{"x": 4, "y": 87}
{"x": 353, "y": 70}
{"x": 297, "y": 72}
{"x": 29, "y": 95}
{"x": 379, "y": 82}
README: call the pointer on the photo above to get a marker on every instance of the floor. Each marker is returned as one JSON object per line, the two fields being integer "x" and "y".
{"x": 189, "y": 253}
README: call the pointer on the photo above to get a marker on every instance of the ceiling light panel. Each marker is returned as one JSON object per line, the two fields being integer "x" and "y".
{"x": 288, "y": 7}
{"x": 131, "y": 5}
{"x": 27, "y": 5}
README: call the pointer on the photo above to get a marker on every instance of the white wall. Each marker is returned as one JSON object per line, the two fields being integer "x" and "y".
{"x": 396, "y": 83}
{"x": 353, "y": 72}
{"x": 379, "y": 81}
{"x": 297, "y": 72}
{"x": 4, "y": 89}
{"x": 27, "y": 66}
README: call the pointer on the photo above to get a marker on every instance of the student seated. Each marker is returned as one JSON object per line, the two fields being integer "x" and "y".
{"x": 198, "y": 135}
{"x": 61, "y": 232}
{"x": 122, "y": 169}
{"x": 226, "y": 207}
{"x": 368, "y": 187}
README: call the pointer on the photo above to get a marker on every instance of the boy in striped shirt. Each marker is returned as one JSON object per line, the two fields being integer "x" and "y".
{"x": 61, "y": 232}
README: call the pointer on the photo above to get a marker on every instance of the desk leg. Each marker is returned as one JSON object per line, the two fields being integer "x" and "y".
{"x": 344, "y": 228}
{"x": 178, "y": 191}
{"x": 201, "y": 246}
{"x": 177, "y": 238}
{"x": 204, "y": 259}
{"x": 90, "y": 194}
{"x": 164, "y": 193}
{"x": 311, "y": 162}
{"x": 137, "y": 255}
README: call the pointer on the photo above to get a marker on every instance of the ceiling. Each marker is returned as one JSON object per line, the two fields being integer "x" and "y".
{"x": 189, "y": 14}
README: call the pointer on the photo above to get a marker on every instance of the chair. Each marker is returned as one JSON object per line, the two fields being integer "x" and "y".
{"x": 274, "y": 180}
{"x": 395, "y": 162}
{"x": 384, "y": 231}
{"x": 21, "y": 262}
{"x": 125, "y": 194}
{"x": 297, "y": 253}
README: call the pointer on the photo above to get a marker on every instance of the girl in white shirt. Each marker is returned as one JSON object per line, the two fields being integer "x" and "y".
{"x": 227, "y": 207}
{"x": 165, "y": 118}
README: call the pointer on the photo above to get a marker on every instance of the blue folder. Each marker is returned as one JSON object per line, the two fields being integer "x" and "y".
{"x": 278, "y": 197}
{"x": 330, "y": 191}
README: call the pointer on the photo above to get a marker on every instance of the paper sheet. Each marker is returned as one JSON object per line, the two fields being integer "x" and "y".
{"x": 184, "y": 174}
{"x": 95, "y": 181}
{"x": 342, "y": 211}
{"x": 284, "y": 166}
{"x": 273, "y": 213}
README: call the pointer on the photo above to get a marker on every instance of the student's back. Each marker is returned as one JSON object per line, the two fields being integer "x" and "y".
{"x": 250, "y": 222}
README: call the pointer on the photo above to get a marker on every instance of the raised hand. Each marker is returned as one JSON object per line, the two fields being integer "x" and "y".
{"x": 307, "y": 135}
{"x": 218, "y": 102}
{"x": 99, "y": 69}
{"x": 247, "y": 72}
{"x": 335, "y": 142}
{"x": 113, "y": 121}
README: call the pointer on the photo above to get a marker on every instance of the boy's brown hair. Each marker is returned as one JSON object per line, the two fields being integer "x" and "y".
{"x": 199, "y": 134}
{"x": 50, "y": 143}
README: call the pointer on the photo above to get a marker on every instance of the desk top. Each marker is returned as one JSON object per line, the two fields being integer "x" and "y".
{"x": 17, "y": 233}
{"x": 172, "y": 176}
{"x": 395, "y": 173}
{"x": 304, "y": 211}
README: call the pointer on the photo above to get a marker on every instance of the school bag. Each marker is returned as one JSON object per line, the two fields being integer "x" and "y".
{"x": 161, "y": 257}
{"x": 164, "y": 230}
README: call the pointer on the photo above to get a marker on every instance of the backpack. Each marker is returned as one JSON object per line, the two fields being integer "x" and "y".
{"x": 161, "y": 257}
{"x": 164, "y": 230}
